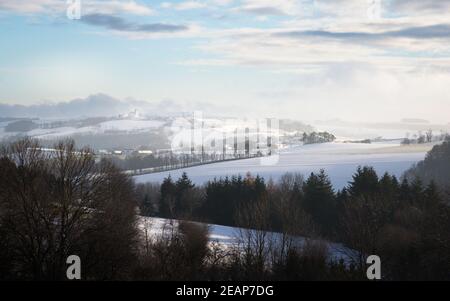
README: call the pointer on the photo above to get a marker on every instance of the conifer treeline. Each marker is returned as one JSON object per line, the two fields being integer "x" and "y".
{"x": 405, "y": 222}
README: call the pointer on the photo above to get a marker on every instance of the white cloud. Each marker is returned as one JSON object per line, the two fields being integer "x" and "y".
{"x": 31, "y": 7}
{"x": 282, "y": 48}
{"x": 117, "y": 6}
{"x": 222, "y": 2}
{"x": 269, "y": 7}
{"x": 185, "y": 5}
{"x": 195, "y": 4}
{"x": 342, "y": 52}
{"x": 189, "y": 31}
{"x": 87, "y": 6}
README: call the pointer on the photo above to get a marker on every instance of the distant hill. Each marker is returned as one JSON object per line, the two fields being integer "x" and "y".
{"x": 93, "y": 105}
{"x": 415, "y": 120}
{"x": 23, "y": 125}
{"x": 102, "y": 105}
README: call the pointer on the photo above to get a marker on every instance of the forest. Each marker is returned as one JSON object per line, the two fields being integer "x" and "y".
{"x": 56, "y": 204}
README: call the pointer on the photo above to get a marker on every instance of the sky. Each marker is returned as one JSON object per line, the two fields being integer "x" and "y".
{"x": 357, "y": 60}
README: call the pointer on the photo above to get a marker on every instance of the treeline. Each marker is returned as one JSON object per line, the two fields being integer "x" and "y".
{"x": 405, "y": 222}
{"x": 428, "y": 137}
{"x": 136, "y": 162}
{"x": 318, "y": 137}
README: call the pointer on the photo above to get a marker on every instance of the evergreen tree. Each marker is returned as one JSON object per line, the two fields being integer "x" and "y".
{"x": 405, "y": 192}
{"x": 147, "y": 206}
{"x": 390, "y": 189}
{"x": 319, "y": 201}
{"x": 259, "y": 187}
{"x": 432, "y": 197}
{"x": 184, "y": 199}
{"x": 167, "y": 200}
{"x": 341, "y": 197}
{"x": 365, "y": 180}
{"x": 417, "y": 192}
{"x": 388, "y": 185}
{"x": 297, "y": 194}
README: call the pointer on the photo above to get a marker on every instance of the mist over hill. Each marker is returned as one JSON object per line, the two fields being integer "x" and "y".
{"x": 93, "y": 105}
{"x": 100, "y": 105}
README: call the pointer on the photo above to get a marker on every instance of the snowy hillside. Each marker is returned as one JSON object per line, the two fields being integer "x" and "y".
{"x": 339, "y": 160}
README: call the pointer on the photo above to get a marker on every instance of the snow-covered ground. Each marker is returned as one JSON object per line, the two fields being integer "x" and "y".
{"x": 359, "y": 131}
{"x": 130, "y": 125}
{"x": 228, "y": 237}
{"x": 340, "y": 161}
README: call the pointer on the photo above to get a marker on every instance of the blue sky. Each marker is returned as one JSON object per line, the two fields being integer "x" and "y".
{"x": 306, "y": 59}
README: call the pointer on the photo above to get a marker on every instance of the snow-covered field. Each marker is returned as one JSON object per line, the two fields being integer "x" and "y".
{"x": 228, "y": 237}
{"x": 340, "y": 161}
{"x": 359, "y": 131}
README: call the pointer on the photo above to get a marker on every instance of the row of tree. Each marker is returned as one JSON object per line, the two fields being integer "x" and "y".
{"x": 428, "y": 137}
{"x": 318, "y": 137}
{"x": 137, "y": 163}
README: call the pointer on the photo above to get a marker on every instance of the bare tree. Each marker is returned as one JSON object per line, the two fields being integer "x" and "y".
{"x": 362, "y": 224}
{"x": 429, "y": 135}
{"x": 255, "y": 241}
{"x": 179, "y": 252}
{"x": 54, "y": 202}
